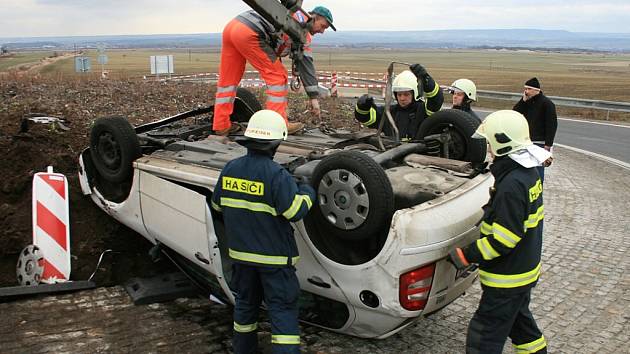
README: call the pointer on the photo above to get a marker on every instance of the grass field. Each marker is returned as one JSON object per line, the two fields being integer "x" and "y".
{"x": 14, "y": 60}
{"x": 583, "y": 75}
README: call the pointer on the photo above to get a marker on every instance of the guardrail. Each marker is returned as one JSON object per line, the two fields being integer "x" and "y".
{"x": 562, "y": 101}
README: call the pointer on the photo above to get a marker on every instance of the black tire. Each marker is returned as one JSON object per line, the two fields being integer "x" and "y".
{"x": 346, "y": 216}
{"x": 114, "y": 146}
{"x": 461, "y": 128}
{"x": 245, "y": 105}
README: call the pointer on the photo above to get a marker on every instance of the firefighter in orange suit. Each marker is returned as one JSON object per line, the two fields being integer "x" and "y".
{"x": 251, "y": 38}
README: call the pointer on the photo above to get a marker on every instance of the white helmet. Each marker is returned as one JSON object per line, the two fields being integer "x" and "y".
{"x": 406, "y": 81}
{"x": 507, "y": 131}
{"x": 266, "y": 125}
{"x": 467, "y": 87}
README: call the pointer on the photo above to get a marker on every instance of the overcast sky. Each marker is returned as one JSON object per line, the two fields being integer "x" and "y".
{"x": 26, "y": 18}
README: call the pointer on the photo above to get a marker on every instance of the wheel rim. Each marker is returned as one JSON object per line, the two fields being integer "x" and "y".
{"x": 343, "y": 199}
{"x": 457, "y": 142}
{"x": 109, "y": 151}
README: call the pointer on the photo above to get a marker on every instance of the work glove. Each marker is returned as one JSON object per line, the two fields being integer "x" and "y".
{"x": 457, "y": 258}
{"x": 365, "y": 102}
{"x": 423, "y": 76}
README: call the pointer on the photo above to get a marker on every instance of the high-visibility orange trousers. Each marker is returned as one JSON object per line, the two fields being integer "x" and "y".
{"x": 241, "y": 44}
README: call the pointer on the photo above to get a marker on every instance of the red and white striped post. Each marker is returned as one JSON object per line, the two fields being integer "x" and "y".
{"x": 51, "y": 226}
{"x": 333, "y": 84}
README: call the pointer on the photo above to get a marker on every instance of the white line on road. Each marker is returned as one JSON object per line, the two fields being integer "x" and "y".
{"x": 596, "y": 155}
{"x": 600, "y": 123}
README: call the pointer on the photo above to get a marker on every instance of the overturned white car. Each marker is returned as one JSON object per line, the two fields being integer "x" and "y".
{"x": 373, "y": 248}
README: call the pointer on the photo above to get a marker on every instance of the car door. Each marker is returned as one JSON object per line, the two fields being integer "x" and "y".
{"x": 177, "y": 217}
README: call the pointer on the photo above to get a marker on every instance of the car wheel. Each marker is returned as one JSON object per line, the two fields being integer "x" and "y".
{"x": 461, "y": 126}
{"x": 245, "y": 105}
{"x": 113, "y": 147}
{"x": 354, "y": 197}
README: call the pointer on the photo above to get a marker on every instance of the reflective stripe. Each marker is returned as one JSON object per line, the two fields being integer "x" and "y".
{"x": 533, "y": 219}
{"x": 278, "y": 88}
{"x": 429, "y": 112}
{"x": 245, "y": 328}
{"x": 220, "y": 100}
{"x": 372, "y": 113}
{"x": 261, "y": 258}
{"x": 245, "y": 204}
{"x": 485, "y": 229}
{"x": 435, "y": 91}
{"x": 311, "y": 88}
{"x": 505, "y": 236}
{"x": 297, "y": 203}
{"x": 531, "y": 347}
{"x": 276, "y": 99}
{"x": 215, "y": 206}
{"x": 226, "y": 89}
{"x": 486, "y": 249}
{"x": 509, "y": 281}
{"x": 285, "y": 339}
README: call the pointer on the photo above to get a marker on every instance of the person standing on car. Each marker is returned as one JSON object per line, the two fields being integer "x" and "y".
{"x": 464, "y": 93}
{"x": 410, "y": 110}
{"x": 259, "y": 199}
{"x": 509, "y": 248}
{"x": 541, "y": 115}
{"x": 251, "y": 38}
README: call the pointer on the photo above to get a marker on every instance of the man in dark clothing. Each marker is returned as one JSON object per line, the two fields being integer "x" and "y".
{"x": 410, "y": 110}
{"x": 509, "y": 248}
{"x": 259, "y": 199}
{"x": 541, "y": 116}
{"x": 464, "y": 94}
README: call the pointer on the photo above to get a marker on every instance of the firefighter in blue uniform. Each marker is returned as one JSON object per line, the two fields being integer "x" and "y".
{"x": 259, "y": 199}
{"x": 509, "y": 248}
{"x": 410, "y": 110}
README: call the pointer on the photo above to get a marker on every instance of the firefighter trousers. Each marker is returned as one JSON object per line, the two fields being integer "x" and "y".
{"x": 279, "y": 288}
{"x": 500, "y": 316}
{"x": 241, "y": 44}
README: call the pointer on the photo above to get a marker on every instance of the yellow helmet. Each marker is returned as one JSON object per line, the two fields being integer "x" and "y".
{"x": 406, "y": 81}
{"x": 266, "y": 125}
{"x": 466, "y": 86}
{"x": 506, "y": 131}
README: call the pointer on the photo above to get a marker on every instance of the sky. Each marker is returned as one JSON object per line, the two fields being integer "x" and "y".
{"x": 34, "y": 18}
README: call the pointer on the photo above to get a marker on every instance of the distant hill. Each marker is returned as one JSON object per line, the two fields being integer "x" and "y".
{"x": 490, "y": 38}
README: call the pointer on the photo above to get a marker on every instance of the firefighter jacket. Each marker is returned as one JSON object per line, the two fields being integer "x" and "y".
{"x": 541, "y": 116}
{"x": 259, "y": 199}
{"x": 408, "y": 119}
{"x": 278, "y": 44}
{"x": 466, "y": 108}
{"x": 509, "y": 248}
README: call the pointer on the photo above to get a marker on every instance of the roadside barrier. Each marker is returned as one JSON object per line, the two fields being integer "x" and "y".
{"x": 51, "y": 226}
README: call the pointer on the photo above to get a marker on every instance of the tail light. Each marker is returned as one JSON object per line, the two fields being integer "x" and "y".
{"x": 415, "y": 287}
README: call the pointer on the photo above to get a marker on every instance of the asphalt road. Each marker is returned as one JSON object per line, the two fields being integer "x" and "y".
{"x": 606, "y": 139}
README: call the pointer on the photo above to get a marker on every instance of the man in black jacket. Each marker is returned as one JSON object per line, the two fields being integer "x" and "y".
{"x": 410, "y": 110}
{"x": 541, "y": 116}
{"x": 509, "y": 248}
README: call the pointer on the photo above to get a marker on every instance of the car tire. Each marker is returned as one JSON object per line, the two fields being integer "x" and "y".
{"x": 245, "y": 105}
{"x": 114, "y": 146}
{"x": 355, "y": 200}
{"x": 461, "y": 128}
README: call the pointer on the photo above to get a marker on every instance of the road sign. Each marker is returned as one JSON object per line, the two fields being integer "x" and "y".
{"x": 102, "y": 59}
{"x": 161, "y": 64}
{"x": 82, "y": 64}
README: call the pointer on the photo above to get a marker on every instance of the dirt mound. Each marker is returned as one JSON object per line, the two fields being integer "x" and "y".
{"x": 79, "y": 102}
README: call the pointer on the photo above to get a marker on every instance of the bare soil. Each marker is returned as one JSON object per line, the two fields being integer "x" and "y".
{"x": 79, "y": 102}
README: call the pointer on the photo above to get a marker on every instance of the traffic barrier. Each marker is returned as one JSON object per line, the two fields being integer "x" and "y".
{"x": 51, "y": 227}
